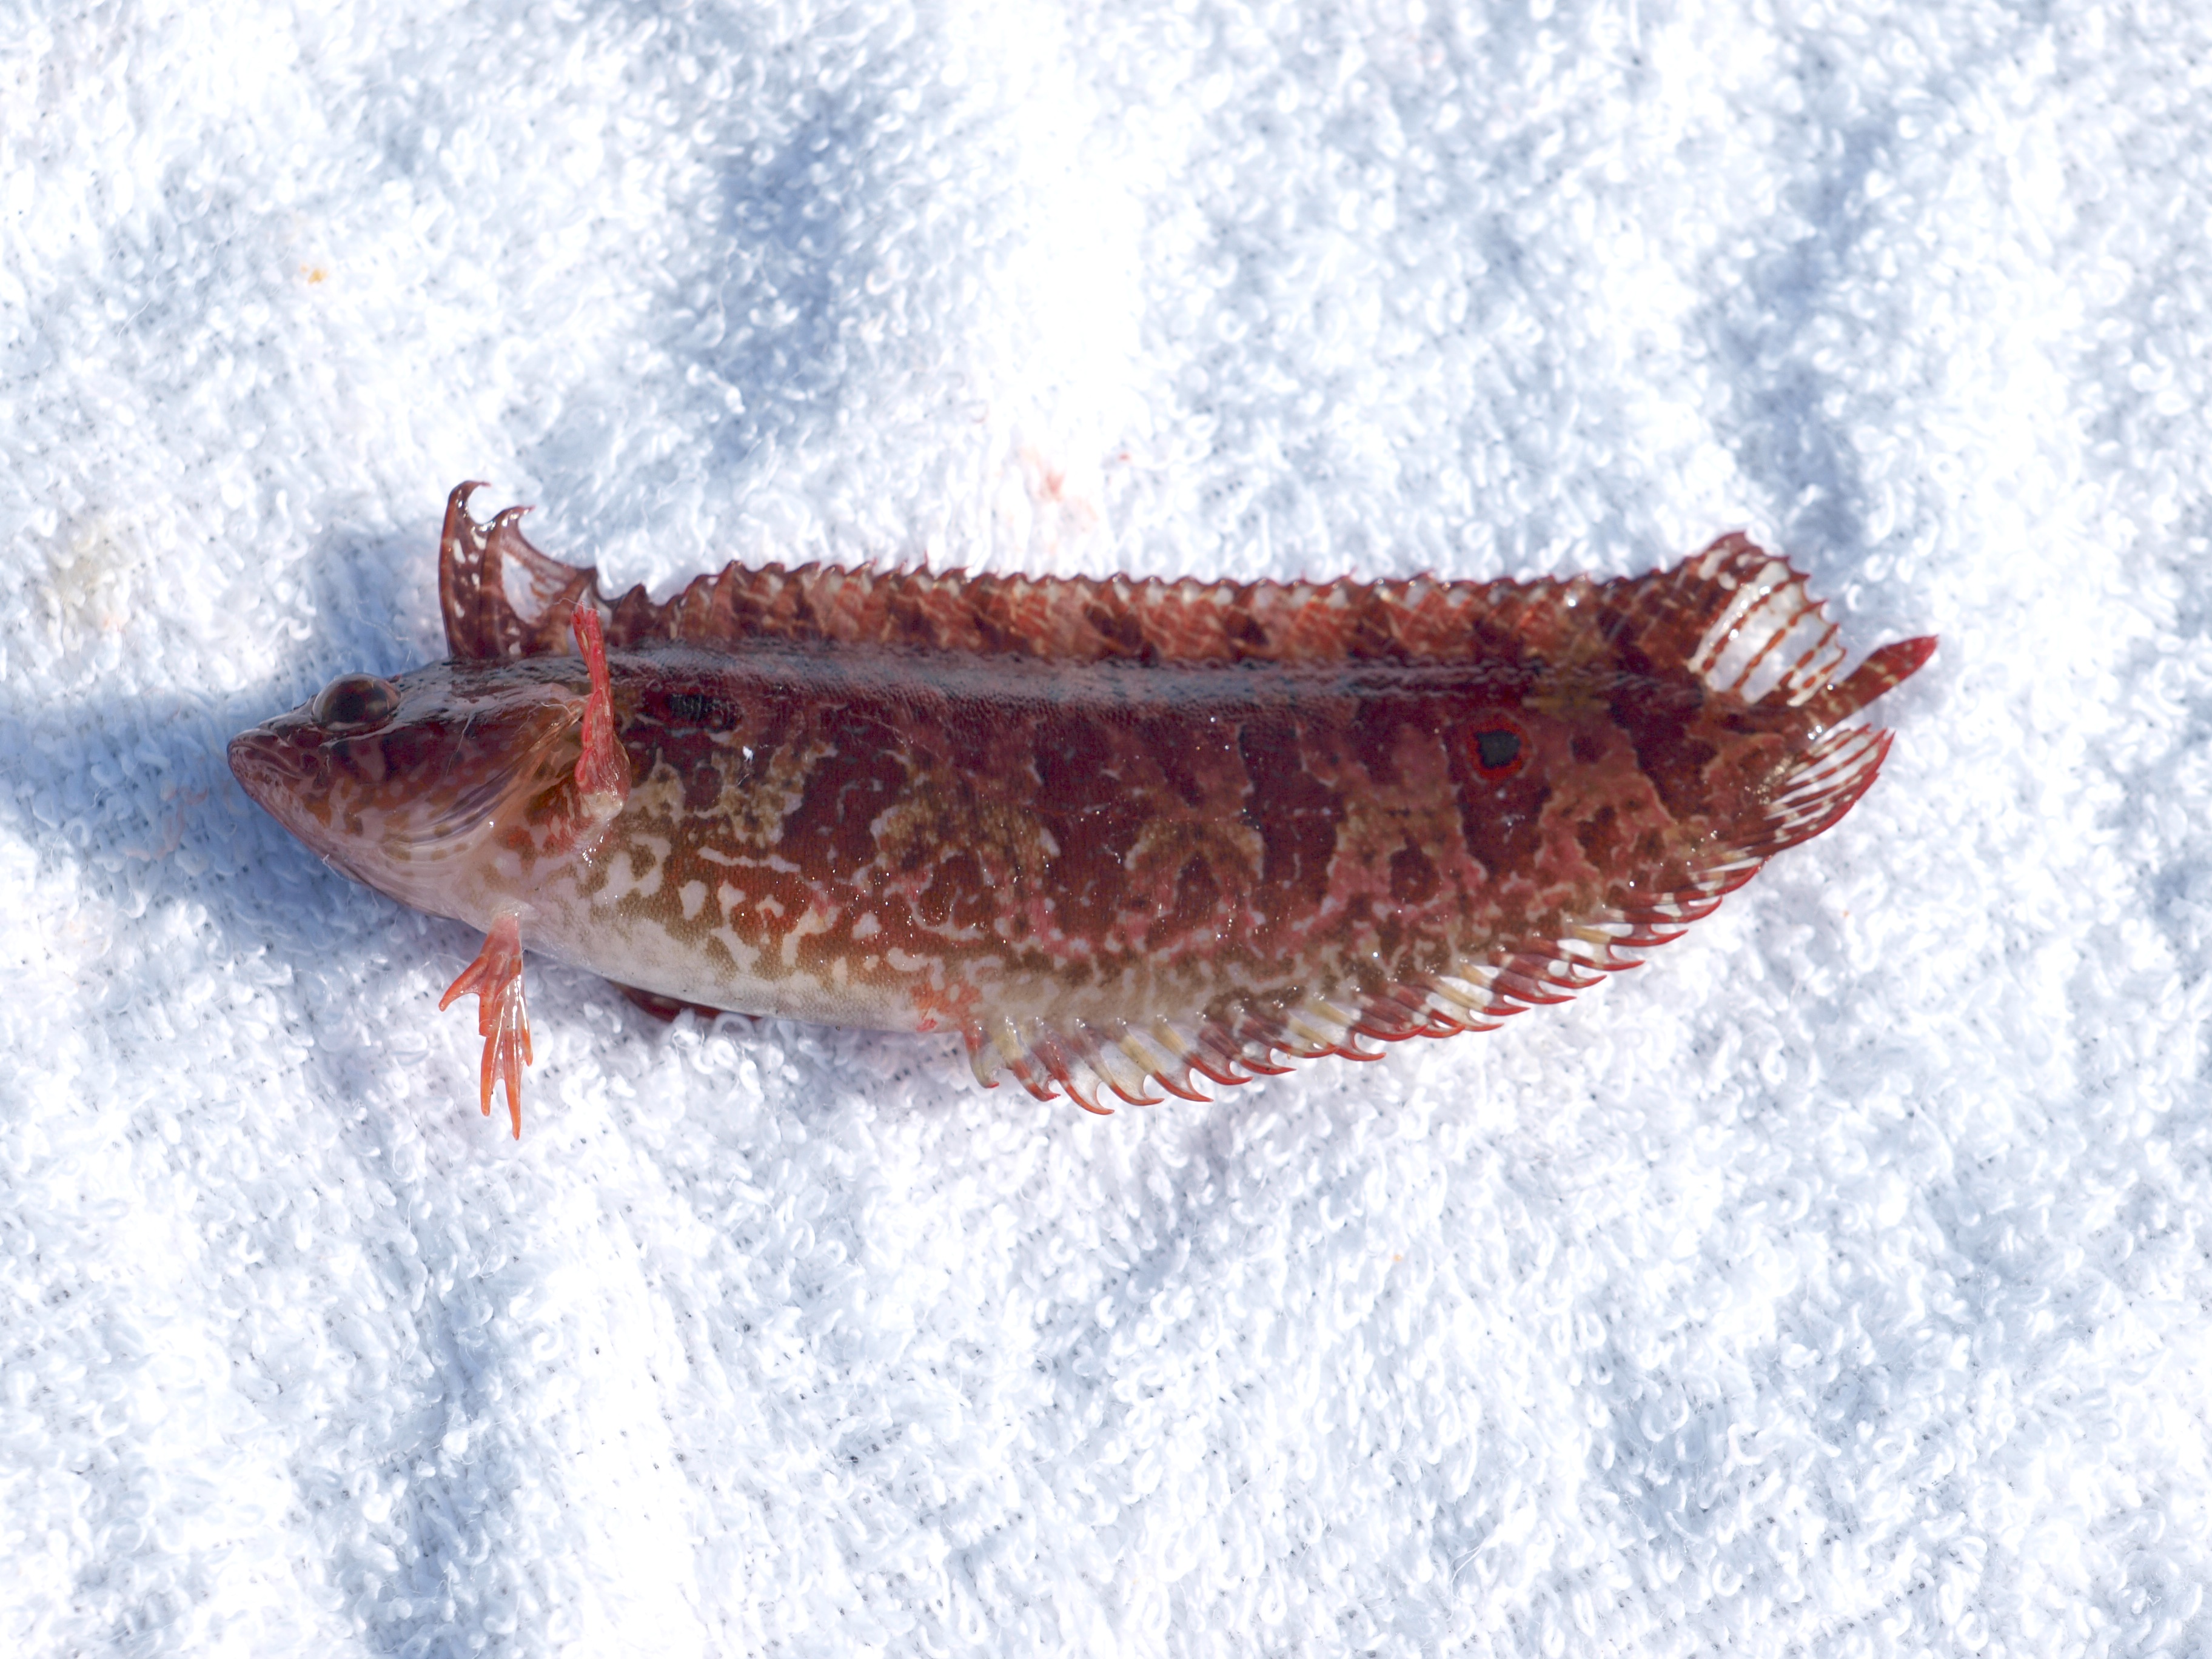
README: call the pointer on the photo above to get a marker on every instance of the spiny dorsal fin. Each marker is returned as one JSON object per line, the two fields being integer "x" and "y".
{"x": 1737, "y": 616}
{"x": 501, "y": 596}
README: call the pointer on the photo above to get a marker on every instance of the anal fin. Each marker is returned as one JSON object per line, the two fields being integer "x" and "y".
{"x": 1265, "y": 1037}
{"x": 666, "y": 1008}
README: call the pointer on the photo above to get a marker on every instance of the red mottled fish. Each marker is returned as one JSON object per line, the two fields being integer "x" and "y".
{"x": 1113, "y": 833}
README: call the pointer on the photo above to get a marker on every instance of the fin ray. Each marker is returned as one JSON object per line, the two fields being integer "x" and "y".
{"x": 1741, "y": 619}
{"x": 1478, "y": 994}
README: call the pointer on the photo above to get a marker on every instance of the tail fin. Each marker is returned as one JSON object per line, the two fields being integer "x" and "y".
{"x": 1882, "y": 671}
{"x": 1745, "y": 622}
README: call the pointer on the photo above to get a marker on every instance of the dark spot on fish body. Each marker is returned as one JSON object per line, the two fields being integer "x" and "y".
{"x": 973, "y": 738}
{"x": 1667, "y": 754}
{"x": 1097, "y": 788}
{"x": 1501, "y": 819}
{"x": 848, "y": 787}
{"x": 1390, "y": 932}
{"x": 1373, "y": 975}
{"x": 900, "y": 929}
{"x": 778, "y": 723}
{"x": 1072, "y": 761}
{"x": 1373, "y": 730}
{"x": 1177, "y": 746}
{"x": 1413, "y": 878}
{"x": 1498, "y": 747}
{"x": 409, "y": 751}
{"x": 687, "y": 756}
{"x": 1296, "y": 814}
{"x": 1738, "y": 781}
{"x": 702, "y": 784}
{"x": 1600, "y": 835}
{"x": 1196, "y": 905}
{"x": 1088, "y": 879}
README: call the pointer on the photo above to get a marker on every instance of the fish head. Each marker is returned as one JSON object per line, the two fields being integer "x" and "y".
{"x": 417, "y": 785}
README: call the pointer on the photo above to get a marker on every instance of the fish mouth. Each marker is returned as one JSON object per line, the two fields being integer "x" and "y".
{"x": 272, "y": 770}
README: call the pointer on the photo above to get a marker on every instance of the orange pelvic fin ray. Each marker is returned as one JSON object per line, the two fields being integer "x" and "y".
{"x": 495, "y": 979}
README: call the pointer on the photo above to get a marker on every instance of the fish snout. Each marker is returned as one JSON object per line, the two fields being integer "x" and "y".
{"x": 271, "y": 767}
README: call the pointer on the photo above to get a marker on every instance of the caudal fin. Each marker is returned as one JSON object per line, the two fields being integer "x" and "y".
{"x": 1883, "y": 670}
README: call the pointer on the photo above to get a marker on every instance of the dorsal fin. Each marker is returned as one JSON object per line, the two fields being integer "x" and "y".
{"x": 501, "y": 596}
{"x": 1737, "y": 617}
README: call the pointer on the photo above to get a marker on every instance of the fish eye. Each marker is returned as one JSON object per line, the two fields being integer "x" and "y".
{"x": 355, "y": 700}
{"x": 1498, "y": 746}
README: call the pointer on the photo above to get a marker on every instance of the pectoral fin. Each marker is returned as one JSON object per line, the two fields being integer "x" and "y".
{"x": 602, "y": 774}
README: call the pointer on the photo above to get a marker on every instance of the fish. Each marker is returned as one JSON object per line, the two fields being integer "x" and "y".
{"x": 1120, "y": 836}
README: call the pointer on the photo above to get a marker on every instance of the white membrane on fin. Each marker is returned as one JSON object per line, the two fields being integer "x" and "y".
{"x": 1771, "y": 634}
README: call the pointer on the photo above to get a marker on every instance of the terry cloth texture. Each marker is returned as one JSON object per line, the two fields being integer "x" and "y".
{"x": 1836, "y": 1285}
